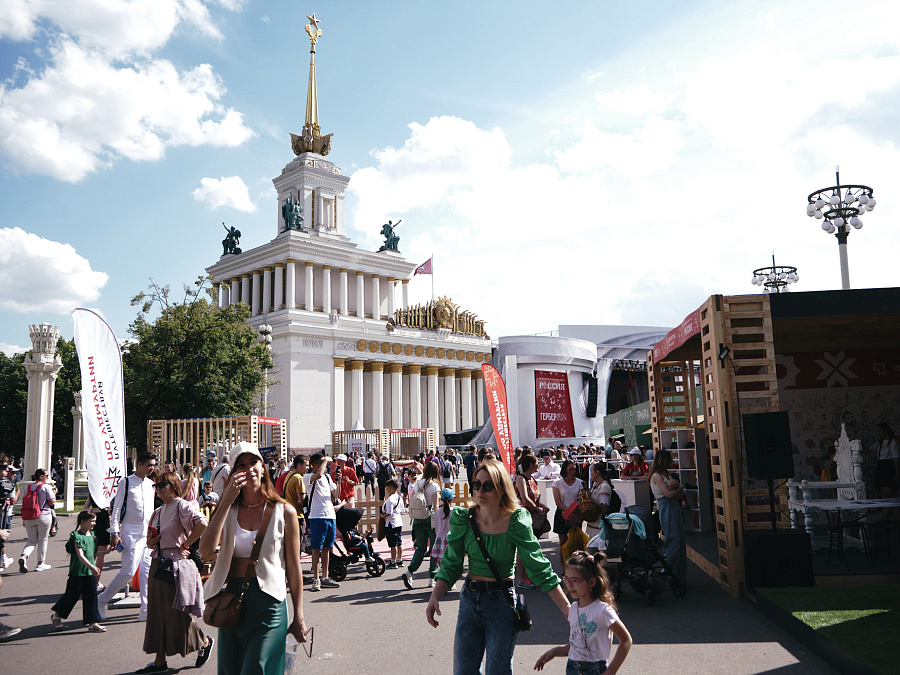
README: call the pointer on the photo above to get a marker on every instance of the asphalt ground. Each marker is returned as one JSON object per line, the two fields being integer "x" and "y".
{"x": 376, "y": 625}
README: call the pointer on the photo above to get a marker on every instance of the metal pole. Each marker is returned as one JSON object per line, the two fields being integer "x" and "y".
{"x": 845, "y": 265}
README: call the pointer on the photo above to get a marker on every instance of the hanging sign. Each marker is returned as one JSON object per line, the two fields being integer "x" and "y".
{"x": 495, "y": 391}
{"x": 552, "y": 406}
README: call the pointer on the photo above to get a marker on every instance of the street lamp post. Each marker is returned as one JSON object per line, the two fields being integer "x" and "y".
{"x": 839, "y": 208}
{"x": 775, "y": 278}
{"x": 265, "y": 336}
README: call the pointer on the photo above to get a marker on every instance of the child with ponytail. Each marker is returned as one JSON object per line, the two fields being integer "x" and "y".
{"x": 441, "y": 529}
{"x": 592, "y": 620}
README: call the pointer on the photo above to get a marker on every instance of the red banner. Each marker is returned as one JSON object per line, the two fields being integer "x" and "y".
{"x": 552, "y": 406}
{"x": 495, "y": 392}
{"x": 677, "y": 336}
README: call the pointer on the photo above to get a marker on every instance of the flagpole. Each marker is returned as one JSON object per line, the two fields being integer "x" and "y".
{"x": 432, "y": 277}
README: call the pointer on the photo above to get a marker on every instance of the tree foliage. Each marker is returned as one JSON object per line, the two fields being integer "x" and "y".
{"x": 193, "y": 360}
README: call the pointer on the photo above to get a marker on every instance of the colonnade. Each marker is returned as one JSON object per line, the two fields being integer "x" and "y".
{"x": 277, "y": 286}
{"x": 383, "y": 395}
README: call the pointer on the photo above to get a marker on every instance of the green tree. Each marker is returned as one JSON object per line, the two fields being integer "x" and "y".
{"x": 193, "y": 360}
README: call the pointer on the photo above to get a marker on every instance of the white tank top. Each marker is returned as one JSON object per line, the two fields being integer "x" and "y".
{"x": 243, "y": 542}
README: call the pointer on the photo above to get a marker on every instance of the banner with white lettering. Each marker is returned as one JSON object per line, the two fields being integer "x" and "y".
{"x": 552, "y": 407}
{"x": 495, "y": 392}
{"x": 103, "y": 400}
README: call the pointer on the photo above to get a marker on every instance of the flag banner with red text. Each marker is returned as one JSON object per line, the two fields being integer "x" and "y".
{"x": 103, "y": 400}
{"x": 424, "y": 268}
{"x": 495, "y": 392}
{"x": 552, "y": 406}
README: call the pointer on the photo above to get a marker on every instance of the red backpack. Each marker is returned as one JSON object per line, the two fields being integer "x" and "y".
{"x": 31, "y": 505}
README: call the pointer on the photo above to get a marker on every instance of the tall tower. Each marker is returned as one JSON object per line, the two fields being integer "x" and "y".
{"x": 42, "y": 368}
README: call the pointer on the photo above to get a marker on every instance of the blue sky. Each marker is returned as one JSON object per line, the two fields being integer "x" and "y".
{"x": 603, "y": 162}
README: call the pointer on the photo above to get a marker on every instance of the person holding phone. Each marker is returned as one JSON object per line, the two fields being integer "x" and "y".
{"x": 323, "y": 492}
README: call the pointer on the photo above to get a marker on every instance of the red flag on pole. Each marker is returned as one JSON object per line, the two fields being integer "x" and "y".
{"x": 424, "y": 268}
{"x": 495, "y": 392}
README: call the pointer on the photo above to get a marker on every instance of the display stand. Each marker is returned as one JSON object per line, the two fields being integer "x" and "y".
{"x": 688, "y": 448}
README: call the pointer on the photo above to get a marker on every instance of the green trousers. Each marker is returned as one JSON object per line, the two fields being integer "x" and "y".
{"x": 255, "y": 646}
{"x": 423, "y": 538}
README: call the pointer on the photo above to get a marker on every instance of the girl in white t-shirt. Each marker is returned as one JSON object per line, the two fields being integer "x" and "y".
{"x": 592, "y": 620}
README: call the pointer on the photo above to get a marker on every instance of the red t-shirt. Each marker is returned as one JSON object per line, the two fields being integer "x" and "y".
{"x": 348, "y": 481}
{"x": 639, "y": 469}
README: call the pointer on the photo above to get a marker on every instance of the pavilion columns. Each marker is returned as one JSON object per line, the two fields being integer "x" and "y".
{"x": 465, "y": 381}
{"x": 267, "y": 289}
{"x": 396, "y": 371}
{"x": 290, "y": 283}
{"x": 376, "y": 296}
{"x": 234, "y": 296}
{"x": 309, "y": 287}
{"x": 360, "y": 294}
{"x": 392, "y": 284}
{"x": 479, "y": 398}
{"x": 279, "y": 285}
{"x": 254, "y": 299}
{"x": 343, "y": 300}
{"x": 326, "y": 289}
{"x": 377, "y": 403}
{"x": 77, "y": 437}
{"x": 431, "y": 373}
{"x": 405, "y": 284}
{"x": 414, "y": 396}
{"x": 338, "y": 416}
{"x": 449, "y": 375}
{"x": 245, "y": 289}
{"x": 218, "y": 291}
{"x": 356, "y": 390}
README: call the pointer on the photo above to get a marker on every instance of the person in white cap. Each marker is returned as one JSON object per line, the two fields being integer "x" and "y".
{"x": 636, "y": 467}
{"x": 348, "y": 480}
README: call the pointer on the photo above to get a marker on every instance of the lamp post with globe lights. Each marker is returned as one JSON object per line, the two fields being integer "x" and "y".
{"x": 265, "y": 336}
{"x": 839, "y": 208}
{"x": 776, "y": 278}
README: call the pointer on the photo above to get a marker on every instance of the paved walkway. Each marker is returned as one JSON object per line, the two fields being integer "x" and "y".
{"x": 375, "y": 625}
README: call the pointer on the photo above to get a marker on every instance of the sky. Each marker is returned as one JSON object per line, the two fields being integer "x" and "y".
{"x": 606, "y": 163}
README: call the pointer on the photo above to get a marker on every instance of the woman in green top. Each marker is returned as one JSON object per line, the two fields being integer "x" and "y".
{"x": 486, "y": 619}
{"x": 83, "y": 575}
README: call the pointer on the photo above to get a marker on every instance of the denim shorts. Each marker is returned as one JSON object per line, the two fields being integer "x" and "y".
{"x": 321, "y": 533}
{"x": 585, "y": 667}
{"x": 485, "y": 630}
{"x": 394, "y": 536}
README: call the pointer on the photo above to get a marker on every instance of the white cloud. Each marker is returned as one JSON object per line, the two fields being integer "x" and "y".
{"x": 9, "y": 349}
{"x": 229, "y": 192}
{"x": 39, "y": 275}
{"x": 638, "y": 100}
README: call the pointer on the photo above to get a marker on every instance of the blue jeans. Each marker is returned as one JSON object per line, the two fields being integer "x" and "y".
{"x": 585, "y": 667}
{"x": 486, "y": 623}
{"x": 675, "y": 549}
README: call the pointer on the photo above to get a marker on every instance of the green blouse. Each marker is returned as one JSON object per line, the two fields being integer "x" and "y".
{"x": 502, "y": 548}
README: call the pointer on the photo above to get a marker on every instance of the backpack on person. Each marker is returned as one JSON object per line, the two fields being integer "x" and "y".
{"x": 31, "y": 504}
{"x": 446, "y": 473}
{"x": 615, "y": 501}
{"x": 384, "y": 472}
{"x": 418, "y": 507}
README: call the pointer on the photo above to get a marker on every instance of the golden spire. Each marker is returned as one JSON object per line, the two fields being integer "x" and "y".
{"x": 312, "y": 140}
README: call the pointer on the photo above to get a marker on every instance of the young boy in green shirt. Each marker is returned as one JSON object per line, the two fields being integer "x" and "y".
{"x": 83, "y": 575}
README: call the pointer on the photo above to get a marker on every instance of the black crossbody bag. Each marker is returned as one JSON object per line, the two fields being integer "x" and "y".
{"x": 520, "y": 609}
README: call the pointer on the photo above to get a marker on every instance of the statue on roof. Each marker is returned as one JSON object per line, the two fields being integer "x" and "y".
{"x": 391, "y": 239}
{"x": 231, "y": 240}
{"x": 291, "y": 213}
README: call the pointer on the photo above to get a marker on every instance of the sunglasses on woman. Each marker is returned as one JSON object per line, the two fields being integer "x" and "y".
{"x": 161, "y": 485}
{"x": 486, "y": 486}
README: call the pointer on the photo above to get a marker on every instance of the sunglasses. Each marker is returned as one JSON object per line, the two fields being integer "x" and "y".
{"x": 486, "y": 486}
{"x": 160, "y": 486}
{"x": 310, "y": 635}
{"x": 573, "y": 580}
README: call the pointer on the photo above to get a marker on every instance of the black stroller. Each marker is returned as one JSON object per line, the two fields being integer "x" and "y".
{"x": 351, "y": 546}
{"x": 632, "y": 543}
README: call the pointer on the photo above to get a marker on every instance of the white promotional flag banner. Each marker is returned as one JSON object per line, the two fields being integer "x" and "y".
{"x": 103, "y": 400}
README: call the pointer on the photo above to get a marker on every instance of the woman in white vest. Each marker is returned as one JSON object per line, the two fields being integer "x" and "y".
{"x": 424, "y": 494}
{"x": 256, "y": 643}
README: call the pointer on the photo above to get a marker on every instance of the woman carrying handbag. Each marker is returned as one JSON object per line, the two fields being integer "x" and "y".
{"x": 530, "y": 499}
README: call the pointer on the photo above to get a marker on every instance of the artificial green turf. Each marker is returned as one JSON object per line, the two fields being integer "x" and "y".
{"x": 862, "y": 620}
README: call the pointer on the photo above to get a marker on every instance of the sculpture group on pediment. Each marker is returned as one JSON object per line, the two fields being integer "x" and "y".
{"x": 441, "y": 314}
{"x": 231, "y": 240}
{"x": 391, "y": 238}
{"x": 291, "y": 212}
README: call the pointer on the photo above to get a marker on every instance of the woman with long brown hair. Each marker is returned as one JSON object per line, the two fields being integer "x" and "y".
{"x": 256, "y": 643}
{"x": 668, "y": 494}
{"x": 190, "y": 486}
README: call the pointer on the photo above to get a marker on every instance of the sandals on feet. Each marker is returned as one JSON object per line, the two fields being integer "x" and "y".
{"x": 96, "y": 628}
{"x": 56, "y": 620}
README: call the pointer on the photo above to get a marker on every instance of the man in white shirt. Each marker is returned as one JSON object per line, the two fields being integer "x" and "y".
{"x": 220, "y": 475}
{"x": 370, "y": 466}
{"x": 129, "y": 516}
{"x": 322, "y": 492}
{"x": 549, "y": 470}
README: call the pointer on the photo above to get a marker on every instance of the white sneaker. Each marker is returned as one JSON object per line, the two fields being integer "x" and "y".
{"x": 316, "y": 585}
{"x": 7, "y": 561}
{"x": 101, "y": 610}
{"x": 431, "y": 583}
{"x": 142, "y": 617}
{"x": 42, "y": 567}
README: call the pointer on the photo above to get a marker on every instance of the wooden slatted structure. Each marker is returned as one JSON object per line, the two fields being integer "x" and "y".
{"x": 192, "y": 440}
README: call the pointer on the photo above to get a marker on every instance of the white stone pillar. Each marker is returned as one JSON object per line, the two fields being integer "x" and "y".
{"x": 414, "y": 396}
{"x": 326, "y": 289}
{"x": 267, "y": 290}
{"x": 217, "y": 288}
{"x": 405, "y": 284}
{"x": 337, "y": 423}
{"x": 396, "y": 370}
{"x": 390, "y": 296}
{"x": 41, "y": 370}
{"x": 254, "y": 297}
{"x": 320, "y": 209}
{"x": 360, "y": 294}
{"x": 309, "y": 286}
{"x": 377, "y": 394}
{"x": 450, "y": 410}
{"x": 465, "y": 396}
{"x": 279, "y": 285}
{"x": 376, "y": 296}
{"x": 479, "y": 398}
{"x": 431, "y": 421}
{"x": 78, "y": 437}
{"x": 234, "y": 296}
{"x": 344, "y": 304}
{"x": 356, "y": 391}
{"x": 290, "y": 283}
{"x": 224, "y": 294}
{"x": 245, "y": 289}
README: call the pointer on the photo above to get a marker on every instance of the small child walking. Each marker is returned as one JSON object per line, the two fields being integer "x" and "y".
{"x": 83, "y": 575}
{"x": 393, "y": 523}
{"x": 592, "y": 620}
{"x": 441, "y": 530}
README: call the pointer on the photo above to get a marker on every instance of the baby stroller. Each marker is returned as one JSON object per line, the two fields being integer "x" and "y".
{"x": 631, "y": 542}
{"x": 352, "y": 546}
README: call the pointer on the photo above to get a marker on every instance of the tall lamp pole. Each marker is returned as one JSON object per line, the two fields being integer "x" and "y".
{"x": 839, "y": 208}
{"x": 265, "y": 336}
